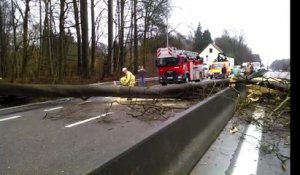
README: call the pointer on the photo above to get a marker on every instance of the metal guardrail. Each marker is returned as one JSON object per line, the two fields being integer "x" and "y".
{"x": 177, "y": 146}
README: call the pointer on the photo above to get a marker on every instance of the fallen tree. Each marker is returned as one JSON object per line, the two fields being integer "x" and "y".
{"x": 81, "y": 91}
{"x": 259, "y": 79}
{"x": 269, "y": 83}
{"x": 186, "y": 90}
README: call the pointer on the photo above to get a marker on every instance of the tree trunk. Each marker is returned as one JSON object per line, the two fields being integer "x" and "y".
{"x": 93, "y": 37}
{"x": 85, "y": 37}
{"x": 78, "y": 34}
{"x": 2, "y": 42}
{"x": 121, "y": 35}
{"x": 107, "y": 62}
{"x": 130, "y": 37}
{"x": 41, "y": 40}
{"x": 269, "y": 84}
{"x": 48, "y": 39}
{"x": 146, "y": 26}
{"x": 61, "y": 40}
{"x": 50, "y": 48}
{"x": 187, "y": 90}
{"x": 25, "y": 39}
{"x": 135, "y": 37}
{"x": 16, "y": 71}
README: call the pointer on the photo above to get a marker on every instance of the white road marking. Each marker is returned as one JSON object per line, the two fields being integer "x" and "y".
{"x": 52, "y": 109}
{"x": 9, "y": 118}
{"x": 247, "y": 160}
{"x": 87, "y": 120}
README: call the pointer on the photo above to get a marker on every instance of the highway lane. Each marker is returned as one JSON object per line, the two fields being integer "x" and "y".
{"x": 31, "y": 143}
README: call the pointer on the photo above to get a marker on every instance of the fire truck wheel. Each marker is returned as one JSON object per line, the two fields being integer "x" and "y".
{"x": 163, "y": 84}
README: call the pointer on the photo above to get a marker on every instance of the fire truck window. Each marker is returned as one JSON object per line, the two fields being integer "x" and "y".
{"x": 168, "y": 61}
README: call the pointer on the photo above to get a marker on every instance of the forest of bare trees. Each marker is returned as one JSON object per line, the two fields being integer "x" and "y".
{"x": 57, "y": 41}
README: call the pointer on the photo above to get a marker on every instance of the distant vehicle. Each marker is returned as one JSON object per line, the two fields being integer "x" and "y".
{"x": 215, "y": 69}
{"x": 178, "y": 66}
{"x": 256, "y": 65}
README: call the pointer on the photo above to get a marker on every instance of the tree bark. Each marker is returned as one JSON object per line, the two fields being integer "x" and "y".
{"x": 61, "y": 40}
{"x": 108, "y": 60}
{"x": 177, "y": 91}
{"x": 78, "y": 34}
{"x": 25, "y": 39}
{"x": 135, "y": 37}
{"x": 110, "y": 36}
{"x": 121, "y": 35}
{"x": 16, "y": 71}
{"x": 269, "y": 84}
{"x": 93, "y": 37}
{"x": 41, "y": 40}
{"x": 85, "y": 36}
{"x": 3, "y": 43}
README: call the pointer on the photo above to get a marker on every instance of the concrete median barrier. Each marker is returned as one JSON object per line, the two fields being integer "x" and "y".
{"x": 176, "y": 148}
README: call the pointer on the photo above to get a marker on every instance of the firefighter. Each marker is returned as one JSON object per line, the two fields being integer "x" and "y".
{"x": 128, "y": 79}
{"x": 141, "y": 72}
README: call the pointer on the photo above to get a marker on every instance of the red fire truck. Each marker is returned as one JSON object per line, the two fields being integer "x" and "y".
{"x": 178, "y": 66}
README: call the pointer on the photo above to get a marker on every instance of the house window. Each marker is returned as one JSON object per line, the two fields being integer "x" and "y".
{"x": 210, "y": 50}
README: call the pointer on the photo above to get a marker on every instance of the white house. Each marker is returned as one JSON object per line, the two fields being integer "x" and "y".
{"x": 210, "y": 53}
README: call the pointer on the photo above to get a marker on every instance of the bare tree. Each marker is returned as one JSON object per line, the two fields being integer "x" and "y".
{"x": 108, "y": 60}
{"x": 135, "y": 37}
{"x": 179, "y": 91}
{"x": 154, "y": 11}
{"x": 41, "y": 40}
{"x": 49, "y": 34}
{"x": 25, "y": 39}
{"x": 93, "y": 36}
{"x": 3, "y": 41}
{"x": 16, "y": 71}
{"x": 78, "y": 35}
{"x": 85, "y": 36}
{"x": 121, "y": 33}
{"x": 61, "y": 40}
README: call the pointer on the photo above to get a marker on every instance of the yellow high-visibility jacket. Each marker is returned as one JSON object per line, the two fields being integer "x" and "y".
{"x": 128, "y": 79}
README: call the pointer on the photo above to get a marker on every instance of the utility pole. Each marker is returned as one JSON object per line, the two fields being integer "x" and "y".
{"x": 167, "y": 28}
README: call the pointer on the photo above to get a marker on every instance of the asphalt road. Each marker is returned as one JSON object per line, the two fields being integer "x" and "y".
{"x": 73, "y": 138}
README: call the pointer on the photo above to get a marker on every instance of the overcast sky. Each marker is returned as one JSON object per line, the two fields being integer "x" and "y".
{"x": 265, "y": 24}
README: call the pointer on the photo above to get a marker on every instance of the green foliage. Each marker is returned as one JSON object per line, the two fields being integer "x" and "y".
{"x": 201, "y": 40}
{"x": 206, "y": 38}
